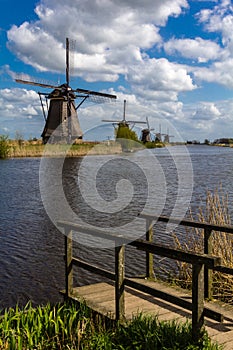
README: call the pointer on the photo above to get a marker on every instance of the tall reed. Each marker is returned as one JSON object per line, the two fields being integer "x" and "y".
{"x": 215, "y": 211}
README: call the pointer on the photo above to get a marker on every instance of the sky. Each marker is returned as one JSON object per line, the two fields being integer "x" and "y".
{"x": 172, "y": 60}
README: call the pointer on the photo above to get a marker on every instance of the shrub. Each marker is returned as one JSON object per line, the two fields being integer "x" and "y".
{"x": 4, "y": 146}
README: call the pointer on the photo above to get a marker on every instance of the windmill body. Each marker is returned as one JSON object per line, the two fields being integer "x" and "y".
{"x": 146, "y": 133}
{"x": 61, "y": 122}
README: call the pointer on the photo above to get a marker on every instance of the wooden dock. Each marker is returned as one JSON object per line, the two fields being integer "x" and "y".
{"x": 101, "y": 298}
{"x": 124, "y": 297}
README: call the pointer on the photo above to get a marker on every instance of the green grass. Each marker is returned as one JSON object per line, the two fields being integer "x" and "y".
{"x": 4, "y": 147}
{"x": 74, "y": 326}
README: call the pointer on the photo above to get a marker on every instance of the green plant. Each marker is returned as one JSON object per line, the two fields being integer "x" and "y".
{"x": 4, "y": 146}
{"x": 124, "y": 132}
{"x": 75, "y": 327}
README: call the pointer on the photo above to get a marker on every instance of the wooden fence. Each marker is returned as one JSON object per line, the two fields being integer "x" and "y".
{"x": 202, "y": 266}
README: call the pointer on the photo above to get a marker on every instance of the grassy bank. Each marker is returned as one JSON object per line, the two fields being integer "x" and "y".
{"x": 22, "y": 148}
{"x": 37, "y": 149}
{"x": 72, "y": 326}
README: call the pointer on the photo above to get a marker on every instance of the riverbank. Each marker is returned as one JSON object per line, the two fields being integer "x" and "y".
{"x": 37, "y": 149}
{"x": 25, "y": 149}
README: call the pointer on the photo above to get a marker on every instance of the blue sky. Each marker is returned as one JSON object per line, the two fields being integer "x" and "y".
{"x": 172, "y": 60}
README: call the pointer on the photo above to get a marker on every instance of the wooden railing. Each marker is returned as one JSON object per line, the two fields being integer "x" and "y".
{"x": 202, "y": 267}
{"x": 207, "y": 248}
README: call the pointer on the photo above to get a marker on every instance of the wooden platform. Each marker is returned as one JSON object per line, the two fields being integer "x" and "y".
{"x": 101, "y": 297}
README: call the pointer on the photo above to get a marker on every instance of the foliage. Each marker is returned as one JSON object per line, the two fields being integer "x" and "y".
{"x": 69, "y": 326}
{"x": 154, "y": 144}
{"x": 124, "y": 132}
{"x": 4, "y": 146}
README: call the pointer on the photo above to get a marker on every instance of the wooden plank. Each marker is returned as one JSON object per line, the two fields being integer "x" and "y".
{"x": 156, "y": 290}
{"x": 68, "y": 263}
{"x": 208, "y": 274}
{"x": 177, "y": 254}
{"x": 119, "y": 282}
{"x": 149, "y": 256}
{"x": 189, "y": 223}
{"x": 197, "y": 300}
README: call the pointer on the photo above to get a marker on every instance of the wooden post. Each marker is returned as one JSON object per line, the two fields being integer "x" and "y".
{"x": 119, "y": 282}
{"x": 208, "y": 274}
{"x": 197, "y": 300}
{"x": 149, "y": 256}
{"x": 68, "y": 263}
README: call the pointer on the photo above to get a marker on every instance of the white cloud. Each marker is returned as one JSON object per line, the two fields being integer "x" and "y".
{"x": 197, "y": 49}
{"x": 205, "y": 112}
{"x": 113, "y": 42}
{"x": 19, "y": 103}
{"x": 155, "y": 76}
{"x": 110, "y": 35}
{"x": 219, "y": 72}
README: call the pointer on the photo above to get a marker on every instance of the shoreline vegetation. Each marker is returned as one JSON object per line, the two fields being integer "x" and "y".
{"x": 31, "y": 148}
{"x": 74, "y": 326}
{"x": 20, "y": 148}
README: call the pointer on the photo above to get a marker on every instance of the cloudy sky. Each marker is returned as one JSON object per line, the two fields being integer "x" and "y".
{"x": 172, "y": 60}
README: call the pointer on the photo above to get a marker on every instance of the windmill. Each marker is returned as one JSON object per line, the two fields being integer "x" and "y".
{"x": 123, "y": 123}
{"x": 145, "y": 133}
{"x": 167, "y": 137}
{"x": 159, "y": 134}
{"x": 61, "y": 121}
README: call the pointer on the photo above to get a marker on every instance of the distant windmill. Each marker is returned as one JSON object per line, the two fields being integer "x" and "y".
{"x": 146, "y": 133}
{"x": 61, "y": 121}
{"x": 167, "y": 137}
{"x": 123, "y": 122}
{"x": 159, "y": 134}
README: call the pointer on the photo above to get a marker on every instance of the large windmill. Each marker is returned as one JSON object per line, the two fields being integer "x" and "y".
{"x": 123, "y": 123}
{"x": 61, "y": 120}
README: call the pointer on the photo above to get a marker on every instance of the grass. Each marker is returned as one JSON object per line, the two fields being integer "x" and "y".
{"x": 74, "y": 326}
{"x": 4, "y": 147}
{"x": 214, "y": 211}
{"x": 21, "y": 148}
{"x": 37, "y": 149}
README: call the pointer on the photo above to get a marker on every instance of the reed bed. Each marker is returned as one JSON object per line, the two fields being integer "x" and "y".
{"x": 215, "y": 211}
{"x": 74, "y": 326}
{"x": 81, "y": 149}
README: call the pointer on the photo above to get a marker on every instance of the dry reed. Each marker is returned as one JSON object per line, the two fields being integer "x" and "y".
{"x": 215, "y": 211}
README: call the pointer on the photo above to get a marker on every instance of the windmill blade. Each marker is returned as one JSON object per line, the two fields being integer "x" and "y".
{"x": 123, "y": 121}
{"x": 90, "y": 92}
{"x": 67, "y": 62}
{"x": 20, "y": 81}
{"x": 148, "y": 125}
{"x": 135, "y": 122}
{"x": 111, "y": 121}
